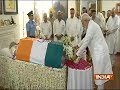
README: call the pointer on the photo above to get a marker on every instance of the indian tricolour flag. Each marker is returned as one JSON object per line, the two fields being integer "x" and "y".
{"x": 40, "y": 51}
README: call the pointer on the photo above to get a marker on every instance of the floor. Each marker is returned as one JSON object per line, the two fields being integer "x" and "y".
{"x": 115, "y": 84}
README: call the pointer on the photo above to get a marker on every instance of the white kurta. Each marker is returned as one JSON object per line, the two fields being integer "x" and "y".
{"x": 58, "y": 28}
{"x": 81, "y": 30}
{"x": 102, "y": 21}
{"x": 73, "y": 29}
{"x": 46, "y": 29}
{"x": 111, "y": 39}
{"x": 97, "y": 45}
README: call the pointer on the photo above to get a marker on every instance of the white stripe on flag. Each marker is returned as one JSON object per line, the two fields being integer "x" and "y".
{"x": 38, "y": 52}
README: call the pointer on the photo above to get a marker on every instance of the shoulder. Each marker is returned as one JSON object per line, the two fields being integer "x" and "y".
{"x": 62, "y": 21}
{"x": 48, "y": 22}
{"x": 68, "y": 19}
{"x": 28, "y": 23}
{"x": 55, "y": 20}
{"x": 92, "y": 25}
{"x": 116, "y": 17}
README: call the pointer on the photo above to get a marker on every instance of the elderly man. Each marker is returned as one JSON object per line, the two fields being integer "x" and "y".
{"x": 46, "y": 27}
{"x": 97, "y": 45}
{"x": 103, "y": 12}
{"x": 58, "y": 27}
{"x": 73, "y": 28}
{"x": 94, "y": 17}
{"x": 99, "y": 19}
{"x": 51, "y": 19}
{"x": 31, "y": 25}
{"x": 108, "y": 15}
{"x": 111, "y": 38}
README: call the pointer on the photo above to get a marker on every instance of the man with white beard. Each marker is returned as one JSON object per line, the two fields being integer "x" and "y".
{"x": 46, "y": 27}
{"x": 111, "y": 38}
{"x": 73, "y": 28}
{"x": 59, "y": 27}
{"x": 97, "y": 45}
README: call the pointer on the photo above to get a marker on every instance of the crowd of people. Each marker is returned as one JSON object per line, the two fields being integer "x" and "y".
{"x": 92, "y": 30}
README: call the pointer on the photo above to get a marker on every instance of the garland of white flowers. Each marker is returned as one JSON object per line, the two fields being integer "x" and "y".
{"x": 68, "y": 47}
{"x": 69, "y": 50}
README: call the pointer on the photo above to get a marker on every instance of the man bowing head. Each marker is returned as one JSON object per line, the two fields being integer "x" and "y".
{"x": 96, "y": 43}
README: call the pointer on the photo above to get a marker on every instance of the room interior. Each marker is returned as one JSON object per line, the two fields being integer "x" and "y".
{"x": 14, "y": 32}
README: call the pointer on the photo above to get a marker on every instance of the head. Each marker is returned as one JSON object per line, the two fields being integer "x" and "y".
{"x": 84, "y": 10}
{"x": 85, "y": 18}
{"x": 59, "y": 15}
{"x": 108, "y": 13}
{"x": 50, "y": 14}
{"x": 103, "y": 12}
{"x": 78, "y": 14}
{"x": 89, "y": 12}
{"x": 72, "y": 12}
{"x": 30, "y": 15}
{"x": 45, "y": 17}
{"x": 113, "y": 12}
{"x": 93, "y": 13}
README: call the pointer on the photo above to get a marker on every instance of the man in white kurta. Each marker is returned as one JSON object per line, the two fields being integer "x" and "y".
{"x": 73, "y": 28}
{"x": 111, "y": 38}
{"x": 99, "y": 19}
{"x": 97, "y": 45}
{"x": 59, "y": 27}
{"x": 79, "y": 26}
{"x": 46, "y": 28}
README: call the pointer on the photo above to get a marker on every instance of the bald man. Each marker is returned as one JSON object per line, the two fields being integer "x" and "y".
{"x": 97, "y": 45}
{"x": 46, "y": 27}
{"x": 111, "y": 38}
{"x": 59, "y": 27}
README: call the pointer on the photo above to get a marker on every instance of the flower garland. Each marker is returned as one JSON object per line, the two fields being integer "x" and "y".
{"x": 69, "y": 50}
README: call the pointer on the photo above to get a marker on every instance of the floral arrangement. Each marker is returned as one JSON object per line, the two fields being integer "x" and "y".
{"x": 69, "y": 50}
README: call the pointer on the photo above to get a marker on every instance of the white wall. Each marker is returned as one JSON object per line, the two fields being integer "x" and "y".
{"x": 24, "y": 7}
{"x": 108, "y": 4}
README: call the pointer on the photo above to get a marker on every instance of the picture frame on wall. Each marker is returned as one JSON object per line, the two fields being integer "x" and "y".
{"x": 10, "y": 7}
{"x": 61, "y": 5}
{"x": 1, "y": 9}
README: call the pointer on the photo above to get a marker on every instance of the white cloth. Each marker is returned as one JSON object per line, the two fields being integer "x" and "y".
{"x": 99, "y": 51}
{"x": 101, "y": 21}
{"x": 58, "y": 28}
{"x": 97, "y": 20}
{"x": 111, "y": 39}
{"x": 80, "y": 79}
{"x": 73, "y": 29}
{"x": 46, "y": 28}
{"x": 81, "y": 30}
{"x": 38, "y": 52}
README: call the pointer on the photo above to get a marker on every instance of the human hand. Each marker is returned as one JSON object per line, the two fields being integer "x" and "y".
{"x": 72, "y": 38}
{"x": 108, "y": 32}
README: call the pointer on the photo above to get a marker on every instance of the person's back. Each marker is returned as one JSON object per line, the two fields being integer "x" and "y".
{"x": 97, "y": 38}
